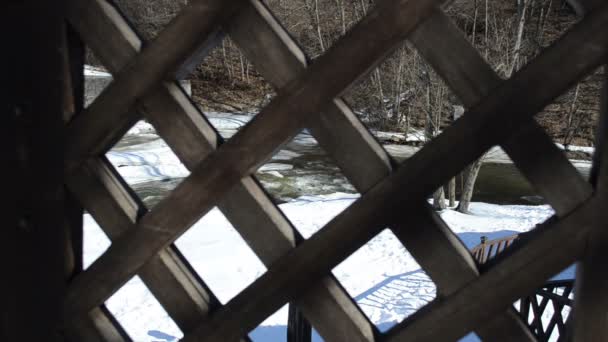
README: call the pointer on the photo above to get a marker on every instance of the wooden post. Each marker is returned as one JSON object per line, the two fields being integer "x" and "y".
{"x": 34, "y": 238}
{"x": 590, "y": 317}
{"x": 482, "y": 254}
{"x": 298, "y": 328}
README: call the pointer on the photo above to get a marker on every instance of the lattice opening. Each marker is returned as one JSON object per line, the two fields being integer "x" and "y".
{"x": 404, "y": 94}
{"x": 494, "y": 29}
{"x": 95, "y": 241}
{"x": 274, "y": 328}
{"x": 149, "y": 18}
{"x": 96, "y": 79}
{"x": 302, "y": 170}
{"x": 572, "y": 119}
{"x": 141, "y": 315}
{"x": 309, "y": 28}
{"x": 217, "y": 252}
{"x": 226, "y": 81}
{"x": 147, "y": 163}
{"x": 385, "y": 281}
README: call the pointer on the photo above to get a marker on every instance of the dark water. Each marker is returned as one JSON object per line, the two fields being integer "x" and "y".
{"x": 314, "y": 173}
{"x": 504, "y": 184}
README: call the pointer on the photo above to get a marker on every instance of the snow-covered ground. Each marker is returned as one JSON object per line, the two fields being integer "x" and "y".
{"x": 382, "y": 277}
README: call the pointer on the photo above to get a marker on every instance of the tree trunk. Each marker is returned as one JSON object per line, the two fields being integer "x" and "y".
{"x": 452, "y": 192}
{"x": 471, "y": 173}
{"x": 298, "y": 328}
{"x": 439, "y": 199}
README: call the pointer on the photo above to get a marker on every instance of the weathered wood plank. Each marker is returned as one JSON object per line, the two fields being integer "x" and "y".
{"x": 519, "y": 270}
{"x": 98, "y": 127}
{"x": 471, "y": 78}
{"x": 248, "y": 208}
{"x": 250, "y": 147}
{"x": 116, "y": 209}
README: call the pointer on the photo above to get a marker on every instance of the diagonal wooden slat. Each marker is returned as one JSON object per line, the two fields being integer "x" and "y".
{"x": 96, "y": 326}
{"x": 591, "y": 283}
{"x": 116, "y": 210}
{"x": 384, "y": 203}
{"x": 471, "y": 78}
{"x": 247, "y": 207}
{"x": 340, "y": 132}
{"x": 538, "y": 259}
{"x": 253, "y": 144}
{"x": 94, "y": 131}
{"x": 279, "y": 60}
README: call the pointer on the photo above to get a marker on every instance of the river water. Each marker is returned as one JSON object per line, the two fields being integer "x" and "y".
{"x": 302, "y": 168}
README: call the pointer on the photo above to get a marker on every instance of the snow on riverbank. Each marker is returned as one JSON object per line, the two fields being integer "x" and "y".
{"x": 382, "y": 276}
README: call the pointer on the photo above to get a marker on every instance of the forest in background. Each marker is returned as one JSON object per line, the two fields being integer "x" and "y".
{"x": 403, "y": 94}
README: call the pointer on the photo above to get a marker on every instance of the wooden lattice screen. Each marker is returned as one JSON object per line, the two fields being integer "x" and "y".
{"x": 500, "y": 112}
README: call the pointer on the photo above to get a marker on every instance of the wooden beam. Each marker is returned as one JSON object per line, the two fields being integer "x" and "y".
{"x": 339, "y": 132}
{"x": 96, "y": 129}
{"x": 251, "y": 146}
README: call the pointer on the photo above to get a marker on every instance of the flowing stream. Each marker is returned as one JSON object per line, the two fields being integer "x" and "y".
{"x": 302, "y": 168}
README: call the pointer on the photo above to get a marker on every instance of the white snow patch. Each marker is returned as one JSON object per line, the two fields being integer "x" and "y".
{"x": 152, "y": 161}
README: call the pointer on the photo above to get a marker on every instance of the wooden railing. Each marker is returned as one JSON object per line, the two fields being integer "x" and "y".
{"x": 552, "y": 299}
{"x": 543, "y": 311}
{"x": 487, "y": 250}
